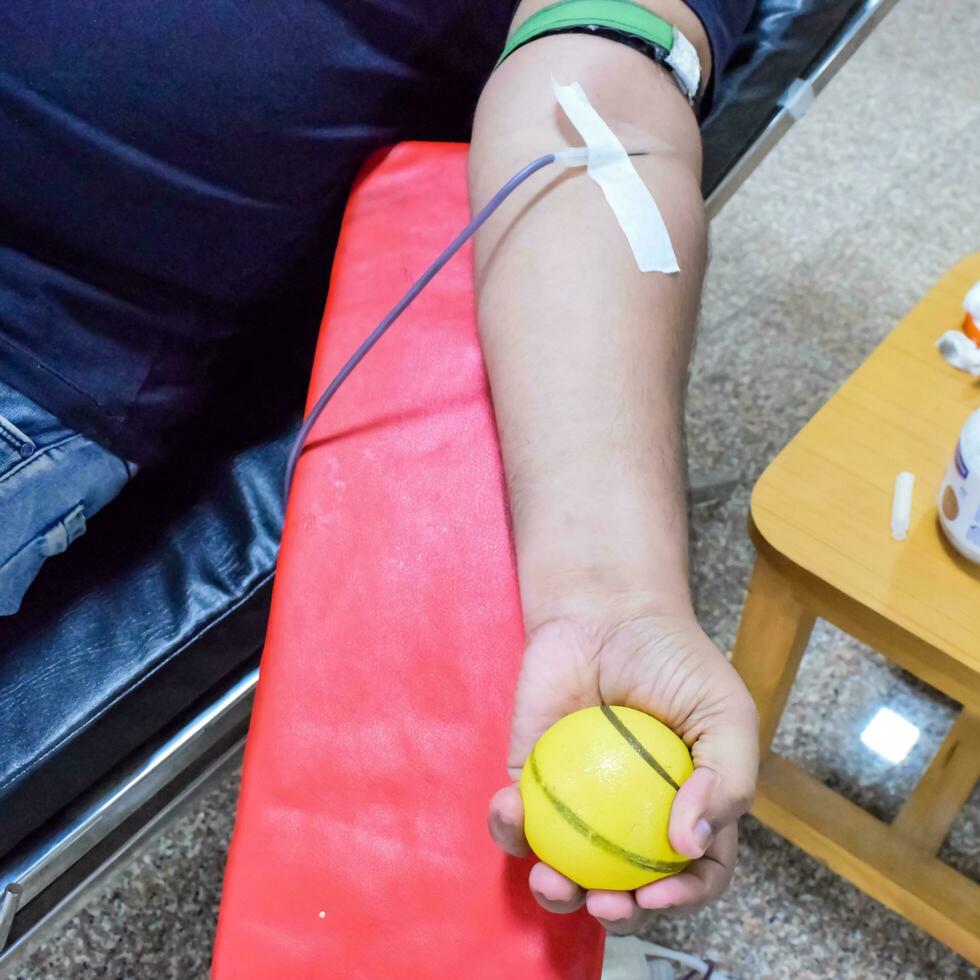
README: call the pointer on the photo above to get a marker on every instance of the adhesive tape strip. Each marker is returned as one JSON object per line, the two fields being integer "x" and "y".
{"x": 610, "y": 167}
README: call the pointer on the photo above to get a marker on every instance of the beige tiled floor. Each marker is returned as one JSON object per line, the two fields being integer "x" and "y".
{"x": 865, "y": 203}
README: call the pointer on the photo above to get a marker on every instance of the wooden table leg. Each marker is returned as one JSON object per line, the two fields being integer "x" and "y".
{"x": 938, "y": 797}
{"x": 855, "y": 845}
{"x": 772, "y": 636}
{"x": 895, "y": 864}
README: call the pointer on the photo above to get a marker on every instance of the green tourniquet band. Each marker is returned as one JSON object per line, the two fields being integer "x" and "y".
{"x": 622, "y": 16}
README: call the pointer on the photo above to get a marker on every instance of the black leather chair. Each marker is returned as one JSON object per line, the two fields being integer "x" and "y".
{"x": 125, "y": 682}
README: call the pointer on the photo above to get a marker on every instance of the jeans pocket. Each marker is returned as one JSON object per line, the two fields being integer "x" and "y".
{"x": 25, "y": 428}
{"x": 15, "y": 445}
{"x": 17, "y": 573}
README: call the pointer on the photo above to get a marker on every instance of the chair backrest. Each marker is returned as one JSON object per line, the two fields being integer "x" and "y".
{"x": 786, "y": 41}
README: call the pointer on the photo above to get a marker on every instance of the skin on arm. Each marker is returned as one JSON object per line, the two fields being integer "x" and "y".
{"x": 588, "y": 356}
{"x": 587, "y": 359}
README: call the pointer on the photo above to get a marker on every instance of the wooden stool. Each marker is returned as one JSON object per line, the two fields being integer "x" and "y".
{"x": 821, "y": 523}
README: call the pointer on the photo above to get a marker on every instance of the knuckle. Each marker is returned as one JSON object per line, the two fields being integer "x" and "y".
{"x": 742, "y": 799}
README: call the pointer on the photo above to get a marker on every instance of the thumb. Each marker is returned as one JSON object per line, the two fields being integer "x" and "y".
{"x": 720, "y": 790}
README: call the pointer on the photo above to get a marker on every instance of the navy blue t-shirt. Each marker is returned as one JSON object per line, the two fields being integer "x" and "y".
{"x": 172, "y": 178}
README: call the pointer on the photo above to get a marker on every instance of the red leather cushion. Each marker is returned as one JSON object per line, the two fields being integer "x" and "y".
{"x": 380, "y": 725}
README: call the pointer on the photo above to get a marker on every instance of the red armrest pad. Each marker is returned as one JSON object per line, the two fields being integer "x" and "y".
{"x": 380, "y": 724}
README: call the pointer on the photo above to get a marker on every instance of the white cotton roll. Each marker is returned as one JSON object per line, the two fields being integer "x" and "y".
{"x": 902, "y": 505}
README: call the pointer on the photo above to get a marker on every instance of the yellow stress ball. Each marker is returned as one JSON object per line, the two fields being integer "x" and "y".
{"x": 597, "y": 791}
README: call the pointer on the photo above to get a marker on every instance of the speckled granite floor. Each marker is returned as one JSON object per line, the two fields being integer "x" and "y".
{"x": 864, "y": 204}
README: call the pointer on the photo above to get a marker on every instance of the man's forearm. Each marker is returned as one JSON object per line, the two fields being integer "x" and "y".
{"x": 587, "y": 356}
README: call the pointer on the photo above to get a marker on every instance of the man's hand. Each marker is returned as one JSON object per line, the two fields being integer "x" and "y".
{"x": 666, "y": 666}
{"x": 587, "y": 358}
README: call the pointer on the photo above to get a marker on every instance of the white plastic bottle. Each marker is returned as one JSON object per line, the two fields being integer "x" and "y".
{"x": 959, "y": 495}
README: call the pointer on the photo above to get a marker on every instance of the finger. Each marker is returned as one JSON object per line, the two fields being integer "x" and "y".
{"x": 700, "y": 884}
{"x": 721, "y": 788}
{"x": 553, "y": 891}
{"x": 506, "y": 821}
{"x": 617, "y": 911}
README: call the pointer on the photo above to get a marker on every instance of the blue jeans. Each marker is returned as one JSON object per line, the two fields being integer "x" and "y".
{"x": 51, "y": 480}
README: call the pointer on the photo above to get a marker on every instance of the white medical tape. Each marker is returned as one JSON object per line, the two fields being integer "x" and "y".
{"x": 610, "y": 167}
{"x": 684, "y": 61}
